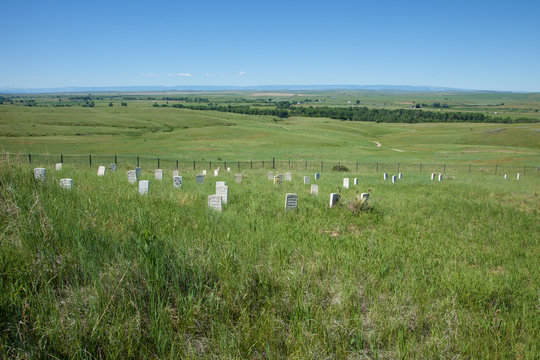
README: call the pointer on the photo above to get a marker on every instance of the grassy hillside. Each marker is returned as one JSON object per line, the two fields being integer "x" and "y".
{"x": 141, "y": 129}
{"x": 432, "y": 270}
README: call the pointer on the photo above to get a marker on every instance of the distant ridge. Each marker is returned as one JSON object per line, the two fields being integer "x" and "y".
{"x": 83, "y": 89}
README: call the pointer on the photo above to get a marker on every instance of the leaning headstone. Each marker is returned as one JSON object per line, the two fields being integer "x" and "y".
{"x": 270, "y": 175}
{"x": 346, "y": 183}
{"x": 385, "y": 176}
{"x": 214, "y": 202}
{"x": 306, "y": 179}
{"x": 200, "y": 179}
{"x": 112, "y": 167}
{"x": 334, "y": 199}
{"x": 101, "y": 171}
{"x": 355, "y": 181}
{"x": 66, "y": 183}
{"x": 440, "y": 177}
{"x": 132, "y": 176}
{"x": 204, "y": 172}
{"x": 177, "y": 180}
{"x": 394, "y": 179}
{"x": 175, "y": 173}
{"x": 517, "y": 177}
{"x": 138, "y": 170}
{"x": 158, "y": 174}
{"x": 223, "y": 191}
{"x": 433, "y": 176}
{"x": 220, "y": 183}
{"x": 291, "y": 201}
{"x": 278, "y": 179}
{"x": 315, "y": 190}
{"x": 364, "y": 197}
{"x": 238, "y": 178}
{"x": 58, "y": 166}
{"x": 288, "y": 176}
{"x": 40, "y": 174}
{"x": 216, "y": 172}
{"x": 317, "y": 176}
{"x": 400, "y": 176}
{"x": 144, "y": 186}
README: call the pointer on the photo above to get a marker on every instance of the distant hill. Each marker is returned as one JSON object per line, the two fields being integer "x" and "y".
{"x": 408, "y": 88}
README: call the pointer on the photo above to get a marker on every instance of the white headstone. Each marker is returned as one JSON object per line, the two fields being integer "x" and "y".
{"x": 112, "y": 167}
{"x": 278, "y": 179}
{"x": 175, "y": 173}
{"x": 66, "y": 183}
{"x": 317, "y": 176}
{"x": 40, "y": 174}
{"x": 200, "y": 179}
{"x": 132, "y": 176}
{"x": 229, "y": 169}
{"x": 364, "y": 197}
{"x": 220, "y": 183}
{"x": 306, "y": 179}
{"x": 101, "y": 171}
{"x": 288, "y": 176}
{"x": 238, "y": 178}
{"x": 315, "y": 190}
{"x": 138, "y": 171}
{"x": 346, "y": 183}
{"x": 394, "y": 179}
{"x": 385, "y": 176}
{"x": 291, "y": 201}
{"x": 400, "y": 176}
{"x": 158, "y": 174}
{"x": 433, "y": 176}
{"x": 355, "y": 181}
{"x": 204, "y": 172}
{"x": 144, "y": 186}
{"x": 334, "y": 199}
{"x": 517, "y": 177}
{"x": 440, "y": 177}
{"x": 177, "y": 180}
{"x": 58, "y": 166}
{"x": 270, "y": 175}
{"x": 223, "y": 191}
{"x": 505, "y": 177}
{"x": 214, "y": 202}
{"x": 216, "y": 172}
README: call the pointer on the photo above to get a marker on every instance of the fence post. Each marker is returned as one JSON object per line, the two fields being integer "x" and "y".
{"x": 210, "y": 164}
{"x": 273, "y": 163}
{"x": 158, "y": 163}
{"x": 225, "y": 165}
{"x": 251, "y": 164}
{"x": 115, "y": 159}
{"x": 239, "y": 165}
{"x": 377, "y": 170}
{"x": 176, "y": 164}
{"x": 263, "y": 164}
{"x": 339, "y": 165}
{"x": 90, "y": 159}
{"x": 29, "y": 158}
{"x": 357, "y": 166}
{"x": 62, "y": 158}
{"x": 420, "y": 167}
{"x": 305, "y": 167}
{"x": 193, "y": 165}
{"x": 137, "y": 160}
{"x": 322, "y": 164}
{"x": 397, "y": 167}
{"x": 469, "y": 168}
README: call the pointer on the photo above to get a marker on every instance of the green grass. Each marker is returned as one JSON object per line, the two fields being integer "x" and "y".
{"x": 433, "y": 270}
{"x": 140, "y": 129}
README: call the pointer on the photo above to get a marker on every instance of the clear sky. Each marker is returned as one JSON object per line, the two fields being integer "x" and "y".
{"x": 492, "y": 45}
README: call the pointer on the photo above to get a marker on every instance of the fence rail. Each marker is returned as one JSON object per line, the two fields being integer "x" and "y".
{"x": 132, "y": 161}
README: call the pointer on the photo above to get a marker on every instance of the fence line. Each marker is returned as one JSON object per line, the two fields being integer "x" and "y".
{"x": 132, "y": 161}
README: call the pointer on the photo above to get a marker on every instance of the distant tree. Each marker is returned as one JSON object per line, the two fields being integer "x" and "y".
{"x": 111, "y": 104}
{"x": 417, "y": 106}
{"x": 123, "y": 103}
{"x": 357, "y": 102}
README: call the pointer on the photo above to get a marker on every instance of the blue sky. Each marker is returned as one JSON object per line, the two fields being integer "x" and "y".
{"x": 492, "y": 45}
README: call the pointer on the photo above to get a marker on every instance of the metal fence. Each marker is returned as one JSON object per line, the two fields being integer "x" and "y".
{"x": 132, "y": 161}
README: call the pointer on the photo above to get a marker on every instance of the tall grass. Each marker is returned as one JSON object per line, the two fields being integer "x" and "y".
{"x": 434, "y": 270}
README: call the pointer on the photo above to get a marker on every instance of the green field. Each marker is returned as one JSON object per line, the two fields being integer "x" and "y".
{"x": 429, "y": 269}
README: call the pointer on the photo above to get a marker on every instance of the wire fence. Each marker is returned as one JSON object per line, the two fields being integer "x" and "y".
{"x": 133, "y": 161}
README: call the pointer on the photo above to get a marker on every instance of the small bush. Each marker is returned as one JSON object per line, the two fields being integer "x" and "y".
{"x": 341, "y": 168}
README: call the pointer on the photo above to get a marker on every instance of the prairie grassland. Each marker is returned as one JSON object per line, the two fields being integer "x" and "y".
{"x": 433, "y": 270}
